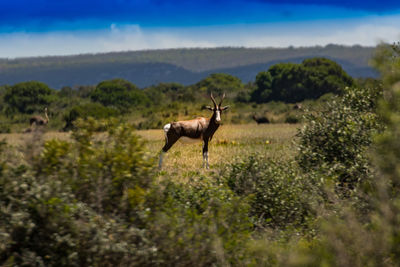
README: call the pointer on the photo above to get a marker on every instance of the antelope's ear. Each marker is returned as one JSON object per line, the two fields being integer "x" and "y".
{"x": 210, "y": 108}
{"x": 225, "y": 108}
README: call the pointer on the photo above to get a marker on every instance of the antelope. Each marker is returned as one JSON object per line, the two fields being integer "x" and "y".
{"x": 39, "y": 120}
{"x": 298, "y": 106}
{"x": 260, "y": 119}
{"x": 199, "y": 128}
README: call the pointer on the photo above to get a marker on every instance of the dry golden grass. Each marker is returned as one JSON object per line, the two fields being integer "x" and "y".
{"x": 16, "y": 139}
{"x": 230, "y": 143}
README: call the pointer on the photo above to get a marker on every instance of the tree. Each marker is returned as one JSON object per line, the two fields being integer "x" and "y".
{"x": 219, "y": 83}
{"x": 165, "y": 92}
{"x": 67, "y": 91}
{"x": 119, "y": 93}
{"x": 325, "y": 76}
{"x": 263, "y": 85}
{"x": 291, "y": 82}
{"x": 3, "y": 90}
{"x": 28, "y": 97}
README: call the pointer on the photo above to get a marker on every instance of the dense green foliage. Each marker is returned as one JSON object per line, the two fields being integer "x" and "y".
{"x": 219, "y": 83}
{"x": 120, "y": 94}
{"x": 336, "y": 140}
{"x": 27, "y": 97}
{"x": 165, "y": 92}
{"x": 84, "y": 111}
{"x": 52, "y": 210}
{"x": 295, "y": 82}
{"x": 278, "y": 195}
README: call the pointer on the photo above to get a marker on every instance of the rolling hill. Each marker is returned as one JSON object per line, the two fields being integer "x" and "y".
{"x": 186, "y": 66}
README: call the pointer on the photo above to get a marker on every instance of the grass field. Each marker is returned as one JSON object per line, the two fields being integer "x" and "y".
{"x": 230, "y": 143}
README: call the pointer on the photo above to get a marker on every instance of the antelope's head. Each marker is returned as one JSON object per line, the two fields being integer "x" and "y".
{"x": 217, "y": 109}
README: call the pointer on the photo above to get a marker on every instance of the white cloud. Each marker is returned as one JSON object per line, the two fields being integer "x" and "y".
{"x": 368, "y": 31}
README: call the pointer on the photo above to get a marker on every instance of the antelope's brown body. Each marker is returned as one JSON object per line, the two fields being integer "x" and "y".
{"x": 39, "y": 120}
{"x": 199, "y": 128}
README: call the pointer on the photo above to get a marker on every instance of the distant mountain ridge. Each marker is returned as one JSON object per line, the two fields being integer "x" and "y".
{"x": 186, "y": 66}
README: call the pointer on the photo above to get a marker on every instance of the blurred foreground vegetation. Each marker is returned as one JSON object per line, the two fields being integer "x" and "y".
{"x": 98, "y": 200}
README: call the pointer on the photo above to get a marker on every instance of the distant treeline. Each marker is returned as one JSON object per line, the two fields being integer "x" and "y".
{"x": 185, "y": 66}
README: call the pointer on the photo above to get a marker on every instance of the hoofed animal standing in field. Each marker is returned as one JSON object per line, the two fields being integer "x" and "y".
{"x": 298, "y": 106}
{"x": 260, "y": 119}
{"x": 199, "y": 128}
{"x": 39, "y": 120}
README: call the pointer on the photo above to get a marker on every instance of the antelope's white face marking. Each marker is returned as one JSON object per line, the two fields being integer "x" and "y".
{"x": 217, "y": 116}
{"x": 167, "y": 127}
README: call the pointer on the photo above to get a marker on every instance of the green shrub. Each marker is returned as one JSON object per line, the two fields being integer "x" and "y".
{"x": 200, "y": 224}
{"x": 279, "y": 195}
{"x": 28, "y": 97}
{"x": 120, "y": 94}
{"x": 45, "y": 221}
{"x": 94, "y": 110}
{"x": 292, "y": 119}
{"x": 101, "y": 169}
{"x": 296, "y": 82}
{"x": 336, "y": 140}
{"x": 219, "y": 83}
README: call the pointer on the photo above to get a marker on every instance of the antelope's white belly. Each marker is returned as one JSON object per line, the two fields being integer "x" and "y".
{"x": 188, "y": 140}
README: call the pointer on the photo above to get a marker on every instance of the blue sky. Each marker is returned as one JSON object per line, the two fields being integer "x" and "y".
{"x": 64, "y": 27}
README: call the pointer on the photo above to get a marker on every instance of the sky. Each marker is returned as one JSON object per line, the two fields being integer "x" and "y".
{"x": 67, "y": 27}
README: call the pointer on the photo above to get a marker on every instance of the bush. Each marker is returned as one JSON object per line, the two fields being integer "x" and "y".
{"x": 59, "y": 209}
{"x": 200, "y": 224}
{"x": 292, "y": 83}
{"x": 94, "y": 110}
{"x": 219, "y": 83}
{"x": 335, "y": 141}
{"x": 119, "y": 94}
{"x": 279, "y": 195}
{"x": 292, "y": 119}
{"x": 28, "y": 97}
{"x": 102, "y": 170}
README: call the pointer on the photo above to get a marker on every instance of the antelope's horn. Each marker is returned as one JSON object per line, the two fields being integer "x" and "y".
{"x": 222, "y": 98}
{"x": 213, "y": 100}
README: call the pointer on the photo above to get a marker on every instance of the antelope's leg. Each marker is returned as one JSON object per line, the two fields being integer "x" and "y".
{"x": 205, "y": 155}
{"x": 170, "y": 140}
{"x": 161, "y": 159}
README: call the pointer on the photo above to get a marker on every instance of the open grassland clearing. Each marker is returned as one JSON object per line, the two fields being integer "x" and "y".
{"x": 230, "y": 143}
